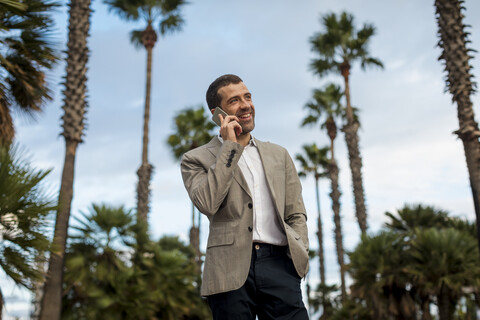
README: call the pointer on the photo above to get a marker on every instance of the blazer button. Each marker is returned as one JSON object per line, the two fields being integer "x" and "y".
{"x": 250, "y": 229}
{"x": 229, "y": 165}
{"x": 250, "y": 206}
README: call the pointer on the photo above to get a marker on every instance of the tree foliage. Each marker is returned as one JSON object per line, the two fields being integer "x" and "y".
{"x": 164, "y": 12}
{"x": 25, "y": 206}
{"x": 192, "y": 129}
{"x": 115, "y": 271}
{"x": 27, "y": 52}
{"x": 422, "y": 256}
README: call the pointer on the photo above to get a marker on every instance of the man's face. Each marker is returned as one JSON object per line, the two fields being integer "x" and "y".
{"x": 237, "y": 100}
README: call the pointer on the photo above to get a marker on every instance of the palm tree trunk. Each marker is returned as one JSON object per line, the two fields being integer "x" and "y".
{"x": 52, "y": 297}
{"x": 195, "y": 243}
{"x": 321, "y": 254}
{"x": 426, "y": 315}
{"x": 453, "y": 39}
{"x": 38, "y": 287}
{"x": 144, "y": 173}
{"x": 335, "y": 195}
{"x": 74, "y": 108}
{"x": 443, "y": 304}
{"x": 351, "y": 138}
{"x": 195, "y": 240}
{"x": 193, "y": 215}
{"x": 320, "y": 235}
{"x": 7, "y": 132}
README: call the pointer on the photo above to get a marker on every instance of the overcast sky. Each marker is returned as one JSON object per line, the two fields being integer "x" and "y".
{"x": 409, "y": 152}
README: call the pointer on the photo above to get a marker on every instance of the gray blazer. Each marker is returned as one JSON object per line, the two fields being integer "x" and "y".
{"x": 218, "y": 189}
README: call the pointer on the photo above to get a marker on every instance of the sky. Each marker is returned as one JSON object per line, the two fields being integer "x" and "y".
{"x": 409, "y": 152}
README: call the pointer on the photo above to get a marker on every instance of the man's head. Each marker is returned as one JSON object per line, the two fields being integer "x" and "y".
{"x": 213, "y": 97}
{"x": 230, "y": 94}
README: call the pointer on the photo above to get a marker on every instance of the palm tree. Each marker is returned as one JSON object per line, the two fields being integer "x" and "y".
{"x": 168, "y": 12}
{"x": 410, "y": 217}
{"x": 115, "y": 270}
{"x": 314, "y": 161}
{"x": 445, "y": 263}
{"x": 338, "y": 48}
{"x": 193, "y": 129}
{"x": 74, "y": 108}
{"x": 24, "y": 210}
{"x": 410, "y": 222}
{"x": 453, "y": 42}
{"x": 27, "y": 53}
{"x": 326, "y": 102}
{"x": 96, "y": 270}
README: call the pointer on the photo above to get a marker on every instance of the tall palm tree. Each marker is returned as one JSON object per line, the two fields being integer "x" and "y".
{"x": 193, "y": 129}
{"x": 74, "y": 108}
{"x": 326, "y": 104}
{"x": 167, "y": 12}
{"x": 24, "y": 210}
{"x": 453, "y": 42}
{"x": 27, "y": 53}
{"x": 314, "y": 161}
{"x": 338, "y": 47}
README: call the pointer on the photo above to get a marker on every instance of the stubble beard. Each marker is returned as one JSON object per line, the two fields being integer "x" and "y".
{"x": 249, "y": 126}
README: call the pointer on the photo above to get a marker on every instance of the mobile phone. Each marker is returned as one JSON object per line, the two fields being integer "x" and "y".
{"x": 215, "y": 117}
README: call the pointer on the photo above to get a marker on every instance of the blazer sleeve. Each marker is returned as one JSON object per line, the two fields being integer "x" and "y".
{"x": 295, "y": 214}
{"x": 206, "y": 185}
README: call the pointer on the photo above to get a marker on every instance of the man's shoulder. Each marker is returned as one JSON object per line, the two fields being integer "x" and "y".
{"x": 201, "y": 150}
{"x": 271, "y": 146}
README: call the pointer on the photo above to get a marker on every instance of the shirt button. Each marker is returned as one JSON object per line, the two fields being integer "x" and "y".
{"x": 250, "y": 206}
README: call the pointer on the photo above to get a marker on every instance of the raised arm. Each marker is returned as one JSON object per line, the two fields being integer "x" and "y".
{"x": 208, "y": 184}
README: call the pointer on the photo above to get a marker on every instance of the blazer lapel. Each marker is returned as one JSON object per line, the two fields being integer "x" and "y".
{"x": 267, "y": 157}
{"x": 214, "y": 147}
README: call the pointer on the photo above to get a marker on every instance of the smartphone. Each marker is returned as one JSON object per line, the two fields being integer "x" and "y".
{"x": 215, "y": 117}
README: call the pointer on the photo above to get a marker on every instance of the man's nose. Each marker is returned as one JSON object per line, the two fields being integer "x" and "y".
{"x": 245, "y": 103}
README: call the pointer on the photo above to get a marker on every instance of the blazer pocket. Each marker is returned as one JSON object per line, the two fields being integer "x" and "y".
{"x": 293, "y": 232}
{"x": 217, "y": 240}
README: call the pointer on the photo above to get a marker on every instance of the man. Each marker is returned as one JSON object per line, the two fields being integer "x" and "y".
{"x": 257, "y": 250}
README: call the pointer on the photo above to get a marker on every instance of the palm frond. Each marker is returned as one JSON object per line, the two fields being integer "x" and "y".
{"x": 172, "y": 23}
{"x": 24, "y": 216}
{"x": 125, "y": 9}
{"x": 136, "y": 38}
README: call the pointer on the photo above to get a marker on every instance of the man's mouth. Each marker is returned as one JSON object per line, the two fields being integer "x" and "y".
{"x": 245, "y": 116}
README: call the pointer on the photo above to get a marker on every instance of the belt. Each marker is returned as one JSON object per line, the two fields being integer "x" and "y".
{"x": 260, "y": 246}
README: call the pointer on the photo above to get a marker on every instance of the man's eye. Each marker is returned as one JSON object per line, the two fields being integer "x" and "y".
{"x": 233, "y": 100}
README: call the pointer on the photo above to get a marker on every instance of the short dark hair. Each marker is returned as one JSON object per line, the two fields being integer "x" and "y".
{"x": 213, "y": 98}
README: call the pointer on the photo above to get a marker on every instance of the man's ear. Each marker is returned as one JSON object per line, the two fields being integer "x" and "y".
{"x": 212, "y": 110}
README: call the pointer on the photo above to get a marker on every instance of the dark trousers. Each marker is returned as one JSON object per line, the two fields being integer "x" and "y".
{"x": 272, "y": 290}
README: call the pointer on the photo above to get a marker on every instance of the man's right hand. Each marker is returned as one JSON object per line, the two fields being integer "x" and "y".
{"x": 230, "y": 128}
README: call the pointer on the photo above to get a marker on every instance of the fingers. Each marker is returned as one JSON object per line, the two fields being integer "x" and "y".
{"x": 230, "y": 128}
{"x": 228, "y": 119}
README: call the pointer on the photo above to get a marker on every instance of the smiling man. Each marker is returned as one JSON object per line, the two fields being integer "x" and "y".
{"x": 257, "y": 250}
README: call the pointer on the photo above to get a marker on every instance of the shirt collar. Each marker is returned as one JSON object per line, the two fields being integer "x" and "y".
{"x": 252, "y": 141}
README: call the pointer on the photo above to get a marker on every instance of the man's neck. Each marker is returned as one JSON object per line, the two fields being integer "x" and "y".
{"x": 243, "y": 139}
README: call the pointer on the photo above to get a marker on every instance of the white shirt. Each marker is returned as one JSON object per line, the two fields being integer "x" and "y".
{"x": 266, "y": 227}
